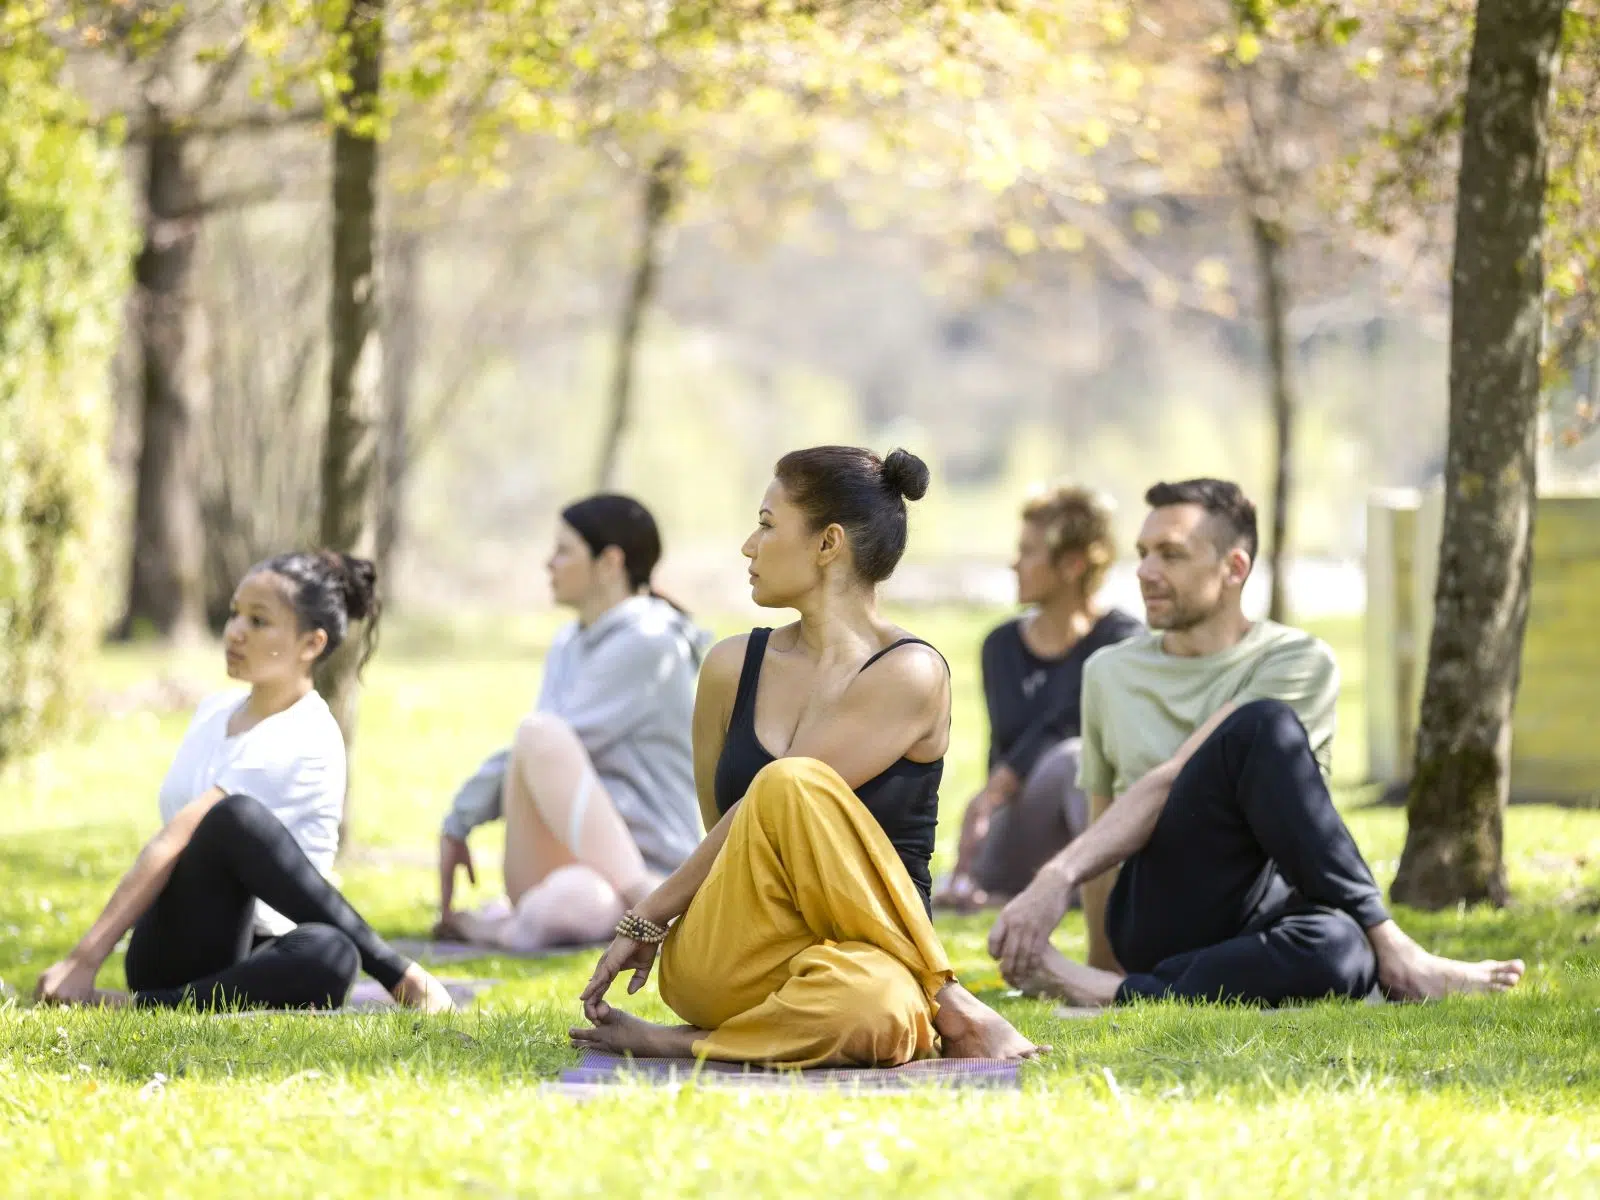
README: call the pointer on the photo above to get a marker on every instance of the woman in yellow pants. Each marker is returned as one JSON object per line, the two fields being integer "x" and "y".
{"x": 798, "y": 932}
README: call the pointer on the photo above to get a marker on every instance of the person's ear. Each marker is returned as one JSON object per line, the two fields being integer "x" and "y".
{"x": 613, "y": 559}
{"x": 830, "y": 544}
{"x": 312, "y": 645}
{"x": 1238, "y": 564}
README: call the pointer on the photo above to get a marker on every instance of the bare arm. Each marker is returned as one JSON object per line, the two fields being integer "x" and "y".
{"x": 1129, "y": 822}
{"x": 1025, "y": 925}
{"x": 713, "y": 706}
{"x": 129, "y": 901}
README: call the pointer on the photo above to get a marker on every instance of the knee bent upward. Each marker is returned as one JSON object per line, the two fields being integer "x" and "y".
{"x": 1271, "y": 715}
{"x": 778, "y": 780}
{"x": 540, "y": 732}
{"x": 233, "y": 817}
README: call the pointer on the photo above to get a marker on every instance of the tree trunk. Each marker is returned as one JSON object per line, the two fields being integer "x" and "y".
{"x": 400, "y": 334}
{"x": 660, "y": 190}
{"x": 350, "y": 455}
{"x": 1456, "y": 806}
{"x": 166, "y": 579}
{"x": 1271, "y": 240}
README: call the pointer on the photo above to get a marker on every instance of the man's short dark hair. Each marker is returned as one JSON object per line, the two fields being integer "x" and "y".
{"x": 1233, "y": 516}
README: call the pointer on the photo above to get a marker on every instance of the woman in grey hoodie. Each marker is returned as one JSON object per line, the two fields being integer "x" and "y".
{"x": 597, "y": 789}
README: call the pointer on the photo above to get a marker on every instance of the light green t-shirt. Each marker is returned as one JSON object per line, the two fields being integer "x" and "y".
{"x": 1140, "y": 703}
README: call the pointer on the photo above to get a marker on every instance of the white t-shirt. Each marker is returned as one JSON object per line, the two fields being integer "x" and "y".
{"x": 293, "y": 763}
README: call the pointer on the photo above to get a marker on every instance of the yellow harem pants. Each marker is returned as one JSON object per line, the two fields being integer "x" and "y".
{"x": 808, "y": 944}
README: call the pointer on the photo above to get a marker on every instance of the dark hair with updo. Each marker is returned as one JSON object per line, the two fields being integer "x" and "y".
{"x": 328, "y": 590}
{"x": 610, "y": 519}
{"x": 864, "y": 494}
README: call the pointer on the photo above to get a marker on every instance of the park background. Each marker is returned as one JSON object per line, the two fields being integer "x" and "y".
{"x": 653, "y": 246}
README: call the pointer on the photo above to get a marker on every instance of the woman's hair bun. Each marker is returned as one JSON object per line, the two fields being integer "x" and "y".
{"x": 906, "y": 474}
{"x": 358, "y": 577}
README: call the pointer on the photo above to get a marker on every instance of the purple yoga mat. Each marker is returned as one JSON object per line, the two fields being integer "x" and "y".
{"x": 424, "y": 950}
{"x": 596, "y": 1069}
{"x": 368, "y": 995}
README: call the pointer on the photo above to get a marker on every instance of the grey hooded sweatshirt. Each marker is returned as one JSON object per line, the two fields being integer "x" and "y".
{"x": 626, "y": 687}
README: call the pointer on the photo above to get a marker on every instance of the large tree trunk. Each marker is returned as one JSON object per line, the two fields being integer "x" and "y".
{"x": 401, "y": 330}
{"x": 1456, "y": 806}
{"x": 660, "y": 190}
{"x": 350, "y": 455}
{"x": 1271, "y": 240}
{"x": 166, "y": 581}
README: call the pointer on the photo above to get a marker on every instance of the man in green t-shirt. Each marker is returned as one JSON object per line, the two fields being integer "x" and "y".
{"x": 1238, "y": 879}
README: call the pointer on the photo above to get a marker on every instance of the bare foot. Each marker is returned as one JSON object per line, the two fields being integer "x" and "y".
{"x": 1059, "y": 978}
{"x": 109, "y": 998}
{"x": 418, "y": 989}
{"x": 448, "y": 928}
{"x": 1420, "y": 975}
{"x": 617, "y": 1032}
{"x": 969, "y": 1028}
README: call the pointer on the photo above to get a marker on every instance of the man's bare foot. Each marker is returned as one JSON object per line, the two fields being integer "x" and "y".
{"x": 1425, "y": 976}
{"x": 109, "y": 998}
{"x": 617, "y": 1032}
{"x": 418, "y": 989}
{"x": 1408, "y": 972}
{"x": 1057, "y": 977}
{"x": 969, "y": 1028}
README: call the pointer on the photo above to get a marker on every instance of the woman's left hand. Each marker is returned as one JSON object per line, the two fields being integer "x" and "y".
{"x": 67, "y": 982}
{"x": 624, "y": 954}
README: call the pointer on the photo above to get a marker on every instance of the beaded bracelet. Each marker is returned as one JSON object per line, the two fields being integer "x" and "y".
{"x": 640, "y": 929}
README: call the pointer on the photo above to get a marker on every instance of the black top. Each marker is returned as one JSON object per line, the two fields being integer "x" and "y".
{"x": 1036, "y": 702}
{"x": 903, "y": 799}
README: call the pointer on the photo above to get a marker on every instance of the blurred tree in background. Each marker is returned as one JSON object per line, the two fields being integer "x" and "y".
{"x": 65, "y": 245}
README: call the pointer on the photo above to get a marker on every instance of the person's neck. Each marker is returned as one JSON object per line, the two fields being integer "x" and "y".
{"x": 269, "y": 699}
{"x": 835, "y": 619}
{"x": 1221, "y": 631}
{"x": 603, "y": 601}
{"x": 1064, "y": 619}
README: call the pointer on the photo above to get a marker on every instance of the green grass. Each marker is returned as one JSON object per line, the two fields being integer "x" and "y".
{"x": 1471, "y": 1097}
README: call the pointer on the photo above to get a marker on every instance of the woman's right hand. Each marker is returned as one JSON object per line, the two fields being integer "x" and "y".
{"x": 624, "y": 954}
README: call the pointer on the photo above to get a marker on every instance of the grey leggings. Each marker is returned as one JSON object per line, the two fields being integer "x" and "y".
{"x": 1047, "y": 813}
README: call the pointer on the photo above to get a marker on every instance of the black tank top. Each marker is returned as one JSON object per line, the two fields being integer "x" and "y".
{"x": 903, "y": 799}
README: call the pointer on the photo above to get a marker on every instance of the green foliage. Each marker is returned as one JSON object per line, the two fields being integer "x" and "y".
{"x": 1404, "y": 180}
{"x": 64, "y": 249}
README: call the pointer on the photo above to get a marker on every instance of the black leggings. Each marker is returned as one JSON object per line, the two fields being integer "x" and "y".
{"x": 196, "y": 940}
{"x": 1250, "y": 887}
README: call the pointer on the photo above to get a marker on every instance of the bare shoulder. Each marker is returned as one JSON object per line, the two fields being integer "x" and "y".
{"x": 725, "y": 660}
{"x": 915, "y": 669}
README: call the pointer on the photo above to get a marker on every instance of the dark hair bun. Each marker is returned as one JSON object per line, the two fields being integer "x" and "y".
{"x": 906, "y": 474}
{"x": 358, "y": 577}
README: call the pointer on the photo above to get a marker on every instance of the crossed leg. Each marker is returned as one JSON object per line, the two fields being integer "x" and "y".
{"x": 1252, "y": 800}
{"x": 571, "y": 866}
{"x": 808, "y": 945}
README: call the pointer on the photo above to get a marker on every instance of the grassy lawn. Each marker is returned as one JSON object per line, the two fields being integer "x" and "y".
{"x": 1481, "y": 1097}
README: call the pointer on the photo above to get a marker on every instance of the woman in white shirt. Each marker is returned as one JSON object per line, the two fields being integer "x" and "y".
{"x": 229, "y": 904}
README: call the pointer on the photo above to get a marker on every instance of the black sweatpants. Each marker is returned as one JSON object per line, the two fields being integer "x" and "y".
{"x": 196, "y": 941}
{"x": 1250, "y": 887}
